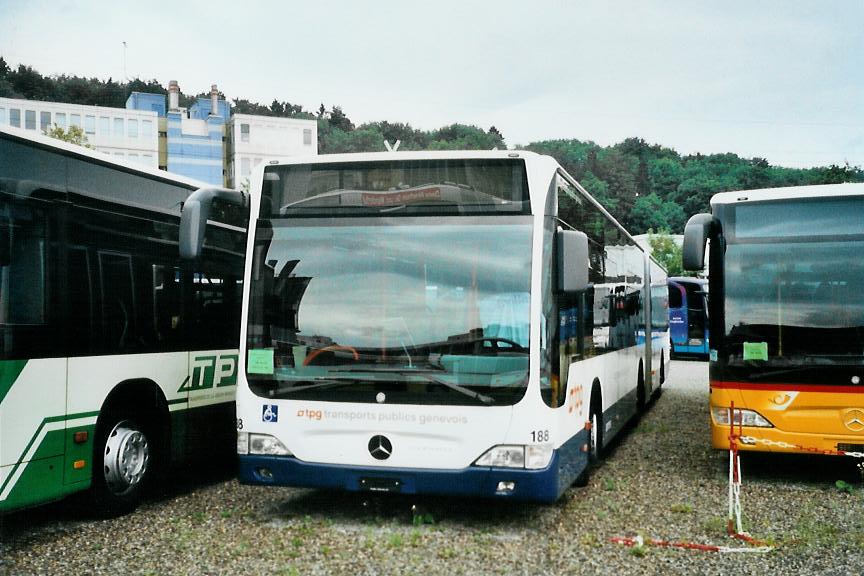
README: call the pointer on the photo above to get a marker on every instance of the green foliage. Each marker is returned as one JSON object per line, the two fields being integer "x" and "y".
{"x": 74, "y": 135}
{"x": 667, "y": 252}
{"x": 463, "y": 137}
{"x": 639, "y": 551}
{"x": 844, "y": 486}
{"x": 652, "y": 213}
{"x": 421, "y": 519}
{"x": 336, "y": 134}
{"x": 645, "y": 186}
{"x": 396, "y": 541}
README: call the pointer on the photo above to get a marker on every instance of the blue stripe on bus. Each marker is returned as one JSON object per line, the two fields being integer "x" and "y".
{"x": 544, "y": 485}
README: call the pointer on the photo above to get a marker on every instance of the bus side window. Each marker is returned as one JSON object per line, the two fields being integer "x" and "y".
{"x": 166, "y": 305}
{"x": 23, "y": 282}
{"x": 79, "y": 286}
{"x": 118, "y": 302}
{"x": 216, "y": 305}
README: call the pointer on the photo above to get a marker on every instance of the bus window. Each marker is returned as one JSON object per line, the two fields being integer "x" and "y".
{"x": 167, "y": 297}
{"x": 216, "y": 308}
{"x": 80, "y": 305}
{"x": 118, "y": 301}
{"x": 23, "y": 280}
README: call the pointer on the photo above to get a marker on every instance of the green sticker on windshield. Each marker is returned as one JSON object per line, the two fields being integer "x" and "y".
{"x": 260, "y": 361}
{"x": 755, "y": 351}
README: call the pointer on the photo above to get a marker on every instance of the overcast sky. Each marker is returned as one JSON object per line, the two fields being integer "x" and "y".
{"x": 779, "y": 79}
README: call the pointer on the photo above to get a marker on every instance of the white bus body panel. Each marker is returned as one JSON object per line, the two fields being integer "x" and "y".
{"x": 41, "y": 383}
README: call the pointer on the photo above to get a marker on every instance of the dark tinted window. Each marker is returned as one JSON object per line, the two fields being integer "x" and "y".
{"x": 397, "y": 187}
{"x": 80, "y": 292}
{"x": 119, "y": 329}
{"x": 93, "y": 268}
{"x": 24, "y": 277}
{"x": 807, "y": 217}
{"x": 675, "y": 298}
{"x": 29, "y": 178}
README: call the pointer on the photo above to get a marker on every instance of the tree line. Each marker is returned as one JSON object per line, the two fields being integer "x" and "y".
{"x": 646, "y": 186}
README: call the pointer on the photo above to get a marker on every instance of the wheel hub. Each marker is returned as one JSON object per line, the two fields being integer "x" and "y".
{"x": 126, "y": 457}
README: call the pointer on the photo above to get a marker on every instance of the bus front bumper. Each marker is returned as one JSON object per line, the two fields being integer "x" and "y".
{"x": 774, "y": 440}
{"x": 805, "y": 422}
{"x": 544, "y": 485}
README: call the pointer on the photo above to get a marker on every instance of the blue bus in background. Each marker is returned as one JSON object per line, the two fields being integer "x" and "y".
{"x": 688, "y": 316}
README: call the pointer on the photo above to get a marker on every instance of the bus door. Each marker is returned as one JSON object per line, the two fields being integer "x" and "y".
{"x": 678, "y": 322}
{"x": 697, "y": 317}
{"x": 213, "y": 312}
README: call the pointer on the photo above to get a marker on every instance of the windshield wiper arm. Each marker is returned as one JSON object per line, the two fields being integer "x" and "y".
{"x": 470, "y": 393}
{"x": 317, "y": 383}
{"x": 780, "y": 372}
{"x": 427, "y": 375}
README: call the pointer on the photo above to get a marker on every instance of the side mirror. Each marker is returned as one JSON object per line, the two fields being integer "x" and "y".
{"x": 697, "y": 231}
{"x": 572, "y": 261}
{"x": 196, "y": 211}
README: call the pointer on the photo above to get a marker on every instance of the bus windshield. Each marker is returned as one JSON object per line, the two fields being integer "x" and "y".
{"x": 793, "y": 299}
{"x": 415, "y": 310}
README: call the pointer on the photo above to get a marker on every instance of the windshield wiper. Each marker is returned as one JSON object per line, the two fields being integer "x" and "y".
{"x": 316, "y": 383}
{"x": 780, "y": 372}
{"x": 426, "y": 374}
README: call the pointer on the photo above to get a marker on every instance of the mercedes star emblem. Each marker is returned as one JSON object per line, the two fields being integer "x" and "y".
{"x": 853, "y": 419}
{"x": 380, "y": 447}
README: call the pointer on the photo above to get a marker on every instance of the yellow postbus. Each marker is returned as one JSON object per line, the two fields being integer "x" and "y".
{"x": 787, "y": 316}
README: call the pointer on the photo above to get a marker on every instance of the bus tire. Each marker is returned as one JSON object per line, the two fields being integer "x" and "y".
{"x": 124, "y": 460}
{"x": 662, "y": 369}
{"x": 595, "y": 436}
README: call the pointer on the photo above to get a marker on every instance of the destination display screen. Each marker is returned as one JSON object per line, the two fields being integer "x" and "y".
{"x": 397, "y": 187}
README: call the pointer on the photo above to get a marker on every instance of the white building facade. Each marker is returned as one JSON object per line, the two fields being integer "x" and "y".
{"x": 251, "y": 139}
{"x": 129, "y": 134}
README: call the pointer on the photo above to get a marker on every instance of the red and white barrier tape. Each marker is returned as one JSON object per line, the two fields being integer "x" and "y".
{"x": 752, "y": 441}
{"x": 638, "y": 541}
{"x": 734, "y": 527}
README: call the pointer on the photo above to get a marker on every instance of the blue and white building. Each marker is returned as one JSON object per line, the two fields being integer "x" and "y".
{"x": 204, "y": 142}
{"x": 193, "y": 136}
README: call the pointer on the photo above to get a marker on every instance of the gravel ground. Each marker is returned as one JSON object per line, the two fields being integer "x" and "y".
{"x": 661, "y": 481}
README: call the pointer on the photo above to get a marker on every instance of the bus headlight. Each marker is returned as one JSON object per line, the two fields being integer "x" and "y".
{"x": 515, "y": 456}
{"x": 263, "y": 444}
{"x": 720, "y": 415}
{"x": 503, "y": 457}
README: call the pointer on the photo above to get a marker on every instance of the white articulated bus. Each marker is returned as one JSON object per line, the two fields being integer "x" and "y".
{"x": 467, "y": 323}
{"x": 116, "y": 357}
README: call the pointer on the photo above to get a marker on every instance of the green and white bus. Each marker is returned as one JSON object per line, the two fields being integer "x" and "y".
{"x": 117, "y": 359}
